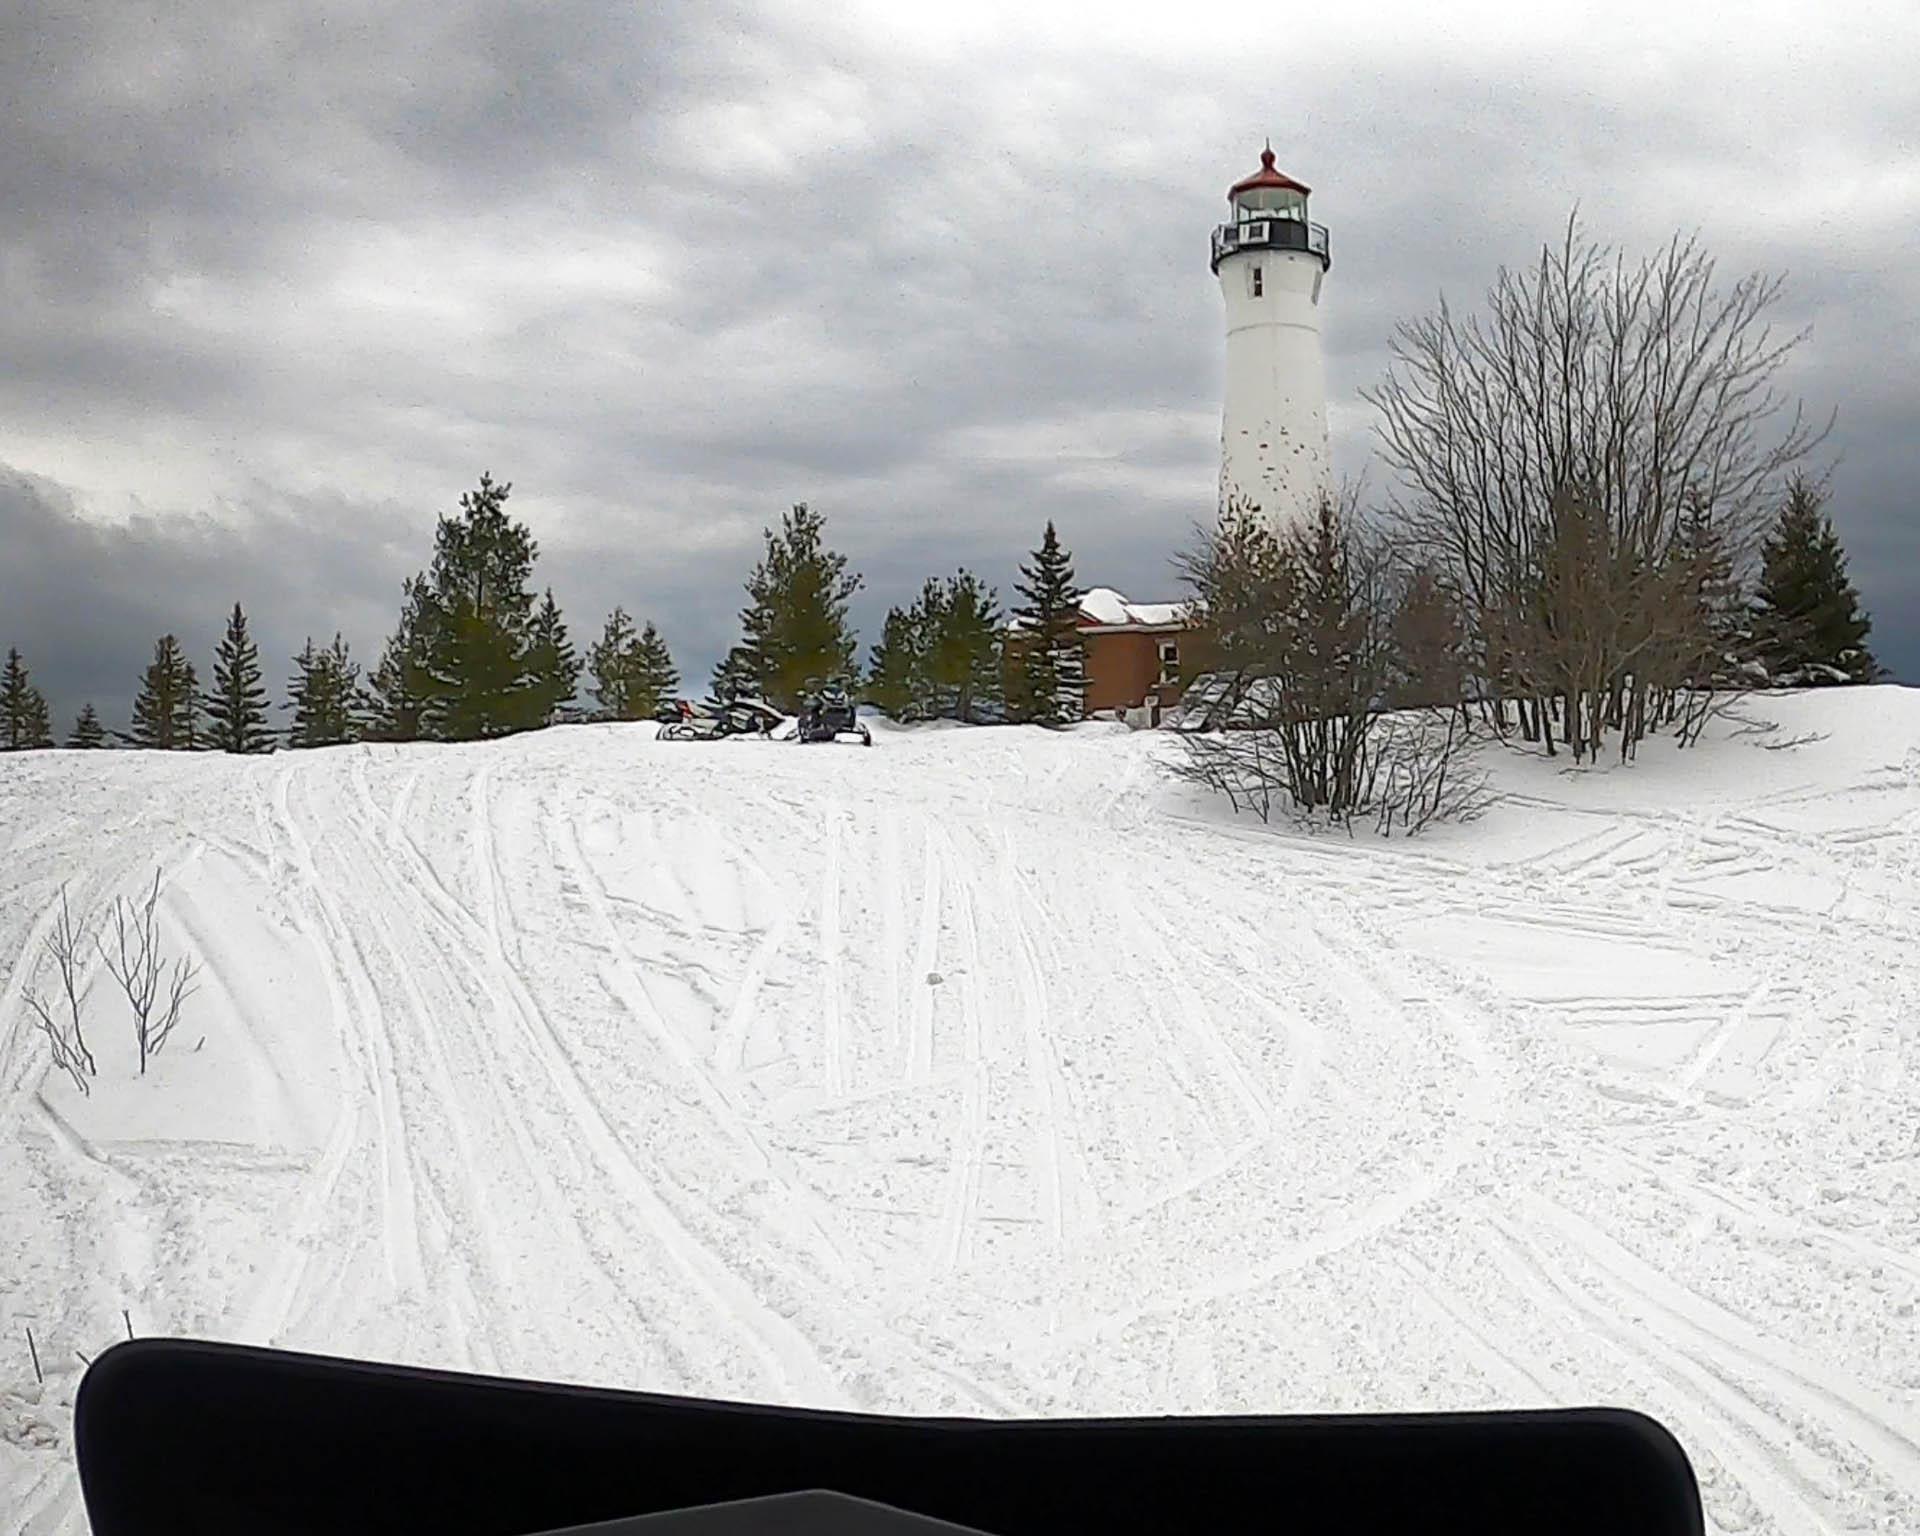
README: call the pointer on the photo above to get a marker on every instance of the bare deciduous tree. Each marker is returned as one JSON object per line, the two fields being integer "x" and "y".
{"x": 137, "y": 964}
{"x": 1559, "y": 458}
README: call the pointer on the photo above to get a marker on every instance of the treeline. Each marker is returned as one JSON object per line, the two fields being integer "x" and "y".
{"x": 474, "y": 654}
{"x": 953, "y": 653}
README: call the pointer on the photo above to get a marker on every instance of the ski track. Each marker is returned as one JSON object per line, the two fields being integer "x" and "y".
{"x": 986, "y": 1073}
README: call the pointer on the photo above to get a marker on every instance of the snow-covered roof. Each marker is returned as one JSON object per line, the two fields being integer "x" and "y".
{"x": 1104, "y": 608}
{"x": 1103, "y": 605}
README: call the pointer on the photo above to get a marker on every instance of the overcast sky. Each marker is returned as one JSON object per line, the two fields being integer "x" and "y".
{"x": 278, "y": 281}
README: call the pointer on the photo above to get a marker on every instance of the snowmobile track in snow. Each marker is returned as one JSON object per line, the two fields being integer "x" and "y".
{"x": 992, "y": 1073}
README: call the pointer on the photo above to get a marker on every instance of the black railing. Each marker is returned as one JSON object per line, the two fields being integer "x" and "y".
{"x": 1271, "y": 235}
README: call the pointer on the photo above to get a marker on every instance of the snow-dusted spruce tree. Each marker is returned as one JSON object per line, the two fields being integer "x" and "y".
{"x": 1551, "y": 452}
{"x": 1806, "y": 612}
{"x": 324, "y": 696}
{"x": 1048, "y": 683}
{"x": 398, "y": 692}
{"x": 88, "y": 733}
{"x": 166, "y": 710}
{"x": 795, "y": 629}
{"x": 553, "y": 668}
{"x": 236, "y": 706}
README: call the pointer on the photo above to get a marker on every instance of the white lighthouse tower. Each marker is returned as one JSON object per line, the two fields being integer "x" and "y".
{"x": 1271, "y": 263}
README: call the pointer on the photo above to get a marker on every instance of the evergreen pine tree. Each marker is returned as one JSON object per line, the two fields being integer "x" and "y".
{"x": 610, "y": 660}
{"x": 1052, "y": 673}
{"x": 633, "y": 673}
{"x": 928, "y": 618}
{"x": 1716, "y": 642}
{"x": 400, "y": 688}
{"x": 963, "y": 658}
{"x": 1807, "y": 613}
{"x": 88, "y": 734}
{"x": 737, "y": 674}
{"x": 39, "y": 732}
{"x": 795, "y": 625}
{"x": 323, "y": 696}
{"x": 896, "y": 665}
{"x": 482, "y": 680}
{"x": 236, "y": 707}
{"x": 657, "y": 679}
{"x": 303, "y": 694}
{"x": 1428, "y": 646}
{"x": 552, "y": 665}
{"x": 166, "y": 709}
{"x": 16, "y": 703}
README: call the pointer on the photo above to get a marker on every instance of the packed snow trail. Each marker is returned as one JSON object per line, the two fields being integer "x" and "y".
{"x": 992, "y": 1073}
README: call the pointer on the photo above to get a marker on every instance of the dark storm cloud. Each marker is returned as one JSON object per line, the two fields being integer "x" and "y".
{"x": 288, "y": 277}
{"x": 85, "y": 602}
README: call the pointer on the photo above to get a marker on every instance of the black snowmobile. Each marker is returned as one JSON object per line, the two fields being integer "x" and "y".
{"x": 713, "y": 720}
{"x": 310, "y": 1446}
{"x": 828, "y": 715}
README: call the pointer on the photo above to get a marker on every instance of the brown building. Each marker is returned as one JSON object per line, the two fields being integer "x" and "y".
{"x": 1134, "y": 653}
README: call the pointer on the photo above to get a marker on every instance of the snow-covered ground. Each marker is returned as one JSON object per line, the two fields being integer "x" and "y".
{"x": 991, "y": 1072}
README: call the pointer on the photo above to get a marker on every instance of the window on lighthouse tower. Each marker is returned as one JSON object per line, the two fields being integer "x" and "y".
{"x": 1257, "y": 285}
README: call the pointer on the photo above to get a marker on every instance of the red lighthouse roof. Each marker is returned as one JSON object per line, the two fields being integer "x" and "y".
{"x": 1266, "y": 176}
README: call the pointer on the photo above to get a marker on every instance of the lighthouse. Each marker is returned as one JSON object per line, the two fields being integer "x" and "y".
{"x": 1272, "y": 265}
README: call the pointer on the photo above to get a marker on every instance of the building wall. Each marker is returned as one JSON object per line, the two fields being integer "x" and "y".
{"x": 1123, "y": 669}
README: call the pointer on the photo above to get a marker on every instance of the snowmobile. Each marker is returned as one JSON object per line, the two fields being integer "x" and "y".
{"x": 312, "y": 1446}
{"x": 828, "y": 715}
{"x": 714, "y": 720}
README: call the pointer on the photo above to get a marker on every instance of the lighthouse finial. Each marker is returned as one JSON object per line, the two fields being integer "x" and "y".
{"x": 1266, "y": 156}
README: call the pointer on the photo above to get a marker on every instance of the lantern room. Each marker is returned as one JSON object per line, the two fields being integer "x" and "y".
{"x": 1269, "y": 213}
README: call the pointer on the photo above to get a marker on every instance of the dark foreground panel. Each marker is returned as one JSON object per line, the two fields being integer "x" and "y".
{"x": 215, "y": 1440}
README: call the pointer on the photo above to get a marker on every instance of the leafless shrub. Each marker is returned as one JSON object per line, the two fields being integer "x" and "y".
{"x": 1248, "y": 767}
{"x": 136, "y": 963}
{"x": 66, "y": 1054}
{"x": 1425, "y": 771}
{"x": 1307, "y": 629}
{"x": 65, "y": 1035}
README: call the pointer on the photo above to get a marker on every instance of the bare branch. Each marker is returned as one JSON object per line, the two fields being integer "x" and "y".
{"x": 63, "y": 945}
{"x": 66, "y": 1054}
